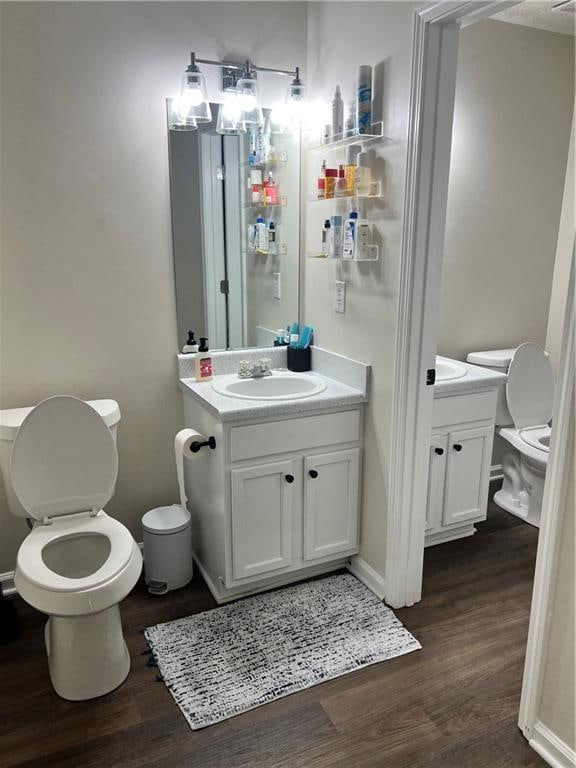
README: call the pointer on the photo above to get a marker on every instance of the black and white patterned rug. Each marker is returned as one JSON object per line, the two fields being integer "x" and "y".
{"x": 226, "y": 661}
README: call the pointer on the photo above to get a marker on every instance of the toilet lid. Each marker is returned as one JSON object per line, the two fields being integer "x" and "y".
{"x": 64, "y": 459}
{"x": 530, "y": 387}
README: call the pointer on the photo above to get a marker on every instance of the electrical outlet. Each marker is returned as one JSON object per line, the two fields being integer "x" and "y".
{"x": 340, "y": 297}
{"x": 276, "y": 285}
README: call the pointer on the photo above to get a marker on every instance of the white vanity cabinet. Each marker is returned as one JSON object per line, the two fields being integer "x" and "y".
{"x": 459, "y": 469}
{"x": 276, "y": 501}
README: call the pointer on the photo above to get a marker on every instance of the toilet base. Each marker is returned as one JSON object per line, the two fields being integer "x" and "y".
{"x": 522, "y": 488}
{"x": 87, "y": 655}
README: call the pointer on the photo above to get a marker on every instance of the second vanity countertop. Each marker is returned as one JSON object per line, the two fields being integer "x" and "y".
{"x": 346, "y": 384}
{"x": 476, "y": 379}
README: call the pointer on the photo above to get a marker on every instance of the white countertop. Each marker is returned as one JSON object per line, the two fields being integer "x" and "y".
{"x": 336, "y": 395}
{"x": 477, "y": 379}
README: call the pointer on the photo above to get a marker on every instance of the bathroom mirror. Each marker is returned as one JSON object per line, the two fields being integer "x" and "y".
{"x": 236, "y": 230}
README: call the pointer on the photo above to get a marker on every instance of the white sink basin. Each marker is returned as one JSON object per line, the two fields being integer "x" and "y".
{"x": 282, "y": 385}
{"x": 447, "y": 370}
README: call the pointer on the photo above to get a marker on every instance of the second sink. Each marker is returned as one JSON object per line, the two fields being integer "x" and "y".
{"x": 281, "y": 385}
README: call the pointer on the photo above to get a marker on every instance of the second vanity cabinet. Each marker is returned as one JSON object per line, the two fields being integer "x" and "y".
{"x": 277, "y": 500}
{"x": 459, "y": 468}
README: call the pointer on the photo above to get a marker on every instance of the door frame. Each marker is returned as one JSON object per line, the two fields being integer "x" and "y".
{"x": 433, "y": 84}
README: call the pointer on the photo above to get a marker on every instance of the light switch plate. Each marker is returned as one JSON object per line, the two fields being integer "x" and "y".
{"x": 276, "y": 285}
{"x": 340, "y": 297}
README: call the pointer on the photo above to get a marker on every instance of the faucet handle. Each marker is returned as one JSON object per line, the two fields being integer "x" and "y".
{"x": 244, "y": 367}
{"x": 265, "y": 363}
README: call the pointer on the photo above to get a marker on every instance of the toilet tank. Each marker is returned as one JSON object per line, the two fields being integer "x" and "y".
{"x": 496, "y": 360}
{"x": 10, "y": 421}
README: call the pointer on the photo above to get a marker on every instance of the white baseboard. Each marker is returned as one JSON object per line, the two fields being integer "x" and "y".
{"x": 496, "y": 472}
{"x": 551, "y": 748}
{"x": 367, "y": 575}
{"x": 7, "y": 581}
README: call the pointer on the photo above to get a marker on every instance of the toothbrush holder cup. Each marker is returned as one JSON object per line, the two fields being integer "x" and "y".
{"x": 299, "y": 360}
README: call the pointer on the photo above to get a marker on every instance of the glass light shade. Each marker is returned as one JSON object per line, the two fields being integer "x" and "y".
{"x": 229, "y": 113}
{"x": 193, "y": 101}
{"x": 177, "y": 122}
{"x": 247, "y": 90}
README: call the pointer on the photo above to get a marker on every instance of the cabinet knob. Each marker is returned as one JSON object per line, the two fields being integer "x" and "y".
{"x": 289, "y": 478}
{"x": 439, "y": 451}
{"x": 313, "y": 474}
{"x": 457, "y": 447}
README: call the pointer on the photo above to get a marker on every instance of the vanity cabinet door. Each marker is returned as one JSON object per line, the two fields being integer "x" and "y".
{"x": 436, "y": 478}
{"x": 262, "y": 518}
{"x": 467, "y": 475}
{"x": 331, "y": 487}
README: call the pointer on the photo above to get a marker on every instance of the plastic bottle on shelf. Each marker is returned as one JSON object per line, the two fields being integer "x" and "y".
{"x": 362, "y": 240}
{"x": 321, "y": 182}
{"x": 352, "y": 153}
{"x": 350, "y": 235}
{"x": 330, "y": 182}
{"x": 364, "y": 99}
{"x": 337, "y": 115}
{"x": 326, "y": 238}
{"x": 271, "y": 191}
{"x": 363, "y": 178}
{"x": 341, "y": 184}
{"x": 256, "y": 185}
{"x": 272, "y": 239}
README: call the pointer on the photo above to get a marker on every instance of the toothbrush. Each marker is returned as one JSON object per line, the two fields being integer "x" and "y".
{"x": 305, "y": 337}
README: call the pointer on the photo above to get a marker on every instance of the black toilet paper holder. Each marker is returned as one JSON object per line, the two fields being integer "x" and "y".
{"x": 197, "y": 445}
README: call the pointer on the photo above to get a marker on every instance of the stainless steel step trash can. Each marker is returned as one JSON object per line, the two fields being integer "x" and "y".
{"x": 167, "y": 548}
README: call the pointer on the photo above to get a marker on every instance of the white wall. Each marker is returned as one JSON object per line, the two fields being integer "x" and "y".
{"x": 564, "y": 246}
{"x": 342, "y": 36}
{"x": 512, "y": 119}
{"x": 87, "y": 279}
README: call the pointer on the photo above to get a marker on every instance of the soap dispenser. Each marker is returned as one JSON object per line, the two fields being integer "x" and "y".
{"x": 191, "y": 345}
{"x": 203, "y": 362}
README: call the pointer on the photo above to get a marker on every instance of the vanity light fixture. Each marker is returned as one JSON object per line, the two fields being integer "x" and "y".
{"x": 247, "y": 92}
{"x": 193, "y": 101}
{"x": 229, "y": 115}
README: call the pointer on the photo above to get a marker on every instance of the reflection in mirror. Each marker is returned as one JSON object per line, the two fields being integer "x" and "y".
{"x": 236, "y": 228}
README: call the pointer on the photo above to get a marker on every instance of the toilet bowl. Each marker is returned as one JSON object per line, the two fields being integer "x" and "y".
{"x": 523, "y": 415}
{"x": 59, "y": 463}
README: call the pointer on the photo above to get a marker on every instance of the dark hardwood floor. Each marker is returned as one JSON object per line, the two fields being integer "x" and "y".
{"x": 454, "y": 704}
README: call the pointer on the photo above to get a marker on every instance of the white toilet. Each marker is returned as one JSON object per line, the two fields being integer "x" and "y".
{"x": 524, "y": 411}
{"x": 59, "y": 464}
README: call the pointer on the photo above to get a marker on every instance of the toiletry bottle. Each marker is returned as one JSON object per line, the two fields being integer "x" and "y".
{"x": 337, "y": 115}
{"x": 321, "y": 183}
{"x": 352, "y": 153}
{"x": 264, "y": 134}
{"x": 203, "y": 362}
{"x": 330, "y": 182}
{"x": 271, "y": 190}
{"x": 252, "y": 139}
{"x": 251, "y": 237}
{"x": 260, "y": 235}
{"x": 326, "y": 238}
{"x": 350, "y": 235}
{"x": 364, "y": 100}
{"x": 327, "y": 134}
{"x": 191, "y": 346}
{"x": 341, "y": 184}
{"x": 362, "y": 240}
{"x": 256, "y": 186}
{"x": 272, "y": 239}
{"x": 280, "y": 340}
{"x": 363, "y": 176}
{"x": 351, "y": 119}
{"x": 294, "y": 335}
{"x": 335, "y": 240}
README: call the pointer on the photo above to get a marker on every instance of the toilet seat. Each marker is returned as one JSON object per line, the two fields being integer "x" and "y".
{"x": 64, "y": 459}
{"x": 530, "y": 387}
{"x": 538, "y": 437}
{"x": 32, "y": 566}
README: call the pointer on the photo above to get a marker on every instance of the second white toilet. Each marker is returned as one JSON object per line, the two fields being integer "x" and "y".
{"x": 524, "y": 412}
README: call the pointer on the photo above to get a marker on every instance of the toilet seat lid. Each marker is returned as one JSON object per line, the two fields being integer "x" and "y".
{"x": 530, "y": 387}
{"x": 64, "y": 459}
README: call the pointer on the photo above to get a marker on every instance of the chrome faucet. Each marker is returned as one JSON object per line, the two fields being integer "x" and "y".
{"x": 257, "y": 370}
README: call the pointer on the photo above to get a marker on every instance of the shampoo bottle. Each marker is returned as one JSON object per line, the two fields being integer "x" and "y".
{"x": 352, "y": 153}
{"x": 335, "y": 240}
{"x": 203, "y": 362}
{"x": 260, "y": 235}
{"x": 341, "y": 185}
{"x": 350, "y": 235}
{"x": 272, "y": 239}
{"x": 363, "y": 176}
